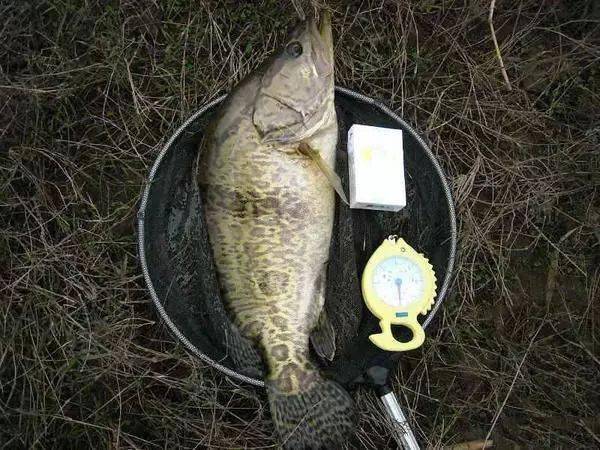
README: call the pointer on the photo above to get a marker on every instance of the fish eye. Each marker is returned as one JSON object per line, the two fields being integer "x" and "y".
{"x": 294, "y": 49}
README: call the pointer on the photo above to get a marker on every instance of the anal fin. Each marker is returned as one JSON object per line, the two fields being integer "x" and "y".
{"x": 244, "y": 355}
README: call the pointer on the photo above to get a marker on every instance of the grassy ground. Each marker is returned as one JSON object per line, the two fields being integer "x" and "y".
{"x": 89, "y": 90}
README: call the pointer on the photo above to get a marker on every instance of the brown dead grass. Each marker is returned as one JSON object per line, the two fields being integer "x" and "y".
{"x": 90, "y": 90}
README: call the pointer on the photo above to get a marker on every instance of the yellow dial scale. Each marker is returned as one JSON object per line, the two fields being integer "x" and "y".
{"x": 398, "y": 284}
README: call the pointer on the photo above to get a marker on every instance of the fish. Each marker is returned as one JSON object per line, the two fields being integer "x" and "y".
{"x": 265, "y": 173}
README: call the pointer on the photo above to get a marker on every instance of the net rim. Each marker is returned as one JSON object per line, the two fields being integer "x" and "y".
{"x": 146, "y": 195}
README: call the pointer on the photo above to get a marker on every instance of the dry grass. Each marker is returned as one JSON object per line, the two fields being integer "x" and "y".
{"x": 90, "y": 89}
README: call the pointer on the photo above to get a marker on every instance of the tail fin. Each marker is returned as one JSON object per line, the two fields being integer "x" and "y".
{"x": 320, "y": 417}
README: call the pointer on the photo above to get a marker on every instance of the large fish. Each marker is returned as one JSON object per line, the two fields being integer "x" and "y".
{"x": 265, "y": 171}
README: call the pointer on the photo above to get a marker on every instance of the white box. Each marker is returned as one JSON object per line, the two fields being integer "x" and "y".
{"x": 376, "y": 166}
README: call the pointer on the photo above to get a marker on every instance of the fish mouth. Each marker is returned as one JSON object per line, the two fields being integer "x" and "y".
{"x": 325, "y": 30}
{"x": 322, "y": 41}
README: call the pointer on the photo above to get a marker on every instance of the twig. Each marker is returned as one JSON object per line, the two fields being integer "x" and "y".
{"x": 498, "y": 54}
{"x": 512, "y": 384}
{"x": 547, "y": 239}
{"x": 299, "y": 9}
{"x": 471, "y": 445}
{"x": 582, "y": 424}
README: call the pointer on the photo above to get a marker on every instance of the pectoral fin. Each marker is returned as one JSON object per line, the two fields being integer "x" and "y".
{"x": 329, "y": 173}
{"x": 322, "y": 337}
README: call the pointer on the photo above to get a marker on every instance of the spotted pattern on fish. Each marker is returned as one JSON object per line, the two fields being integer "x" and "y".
{"x": 269, "y": 213}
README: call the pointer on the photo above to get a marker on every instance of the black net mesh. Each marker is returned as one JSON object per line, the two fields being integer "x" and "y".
{"x": 181, "y": 268}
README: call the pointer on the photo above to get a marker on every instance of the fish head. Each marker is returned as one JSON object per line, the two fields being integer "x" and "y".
{"x": 295, "y": 97}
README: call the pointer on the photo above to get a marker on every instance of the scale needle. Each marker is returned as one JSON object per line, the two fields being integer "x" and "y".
{"x": 399, "y": 286}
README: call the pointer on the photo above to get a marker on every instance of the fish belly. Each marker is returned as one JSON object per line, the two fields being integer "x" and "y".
{"x": 270, "y": 213}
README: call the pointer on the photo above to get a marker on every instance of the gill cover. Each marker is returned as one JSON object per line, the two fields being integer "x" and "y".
{"x": 296, "y": 88}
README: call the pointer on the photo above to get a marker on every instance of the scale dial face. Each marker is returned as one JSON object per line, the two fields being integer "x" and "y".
{"x": 398, "y": 281}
